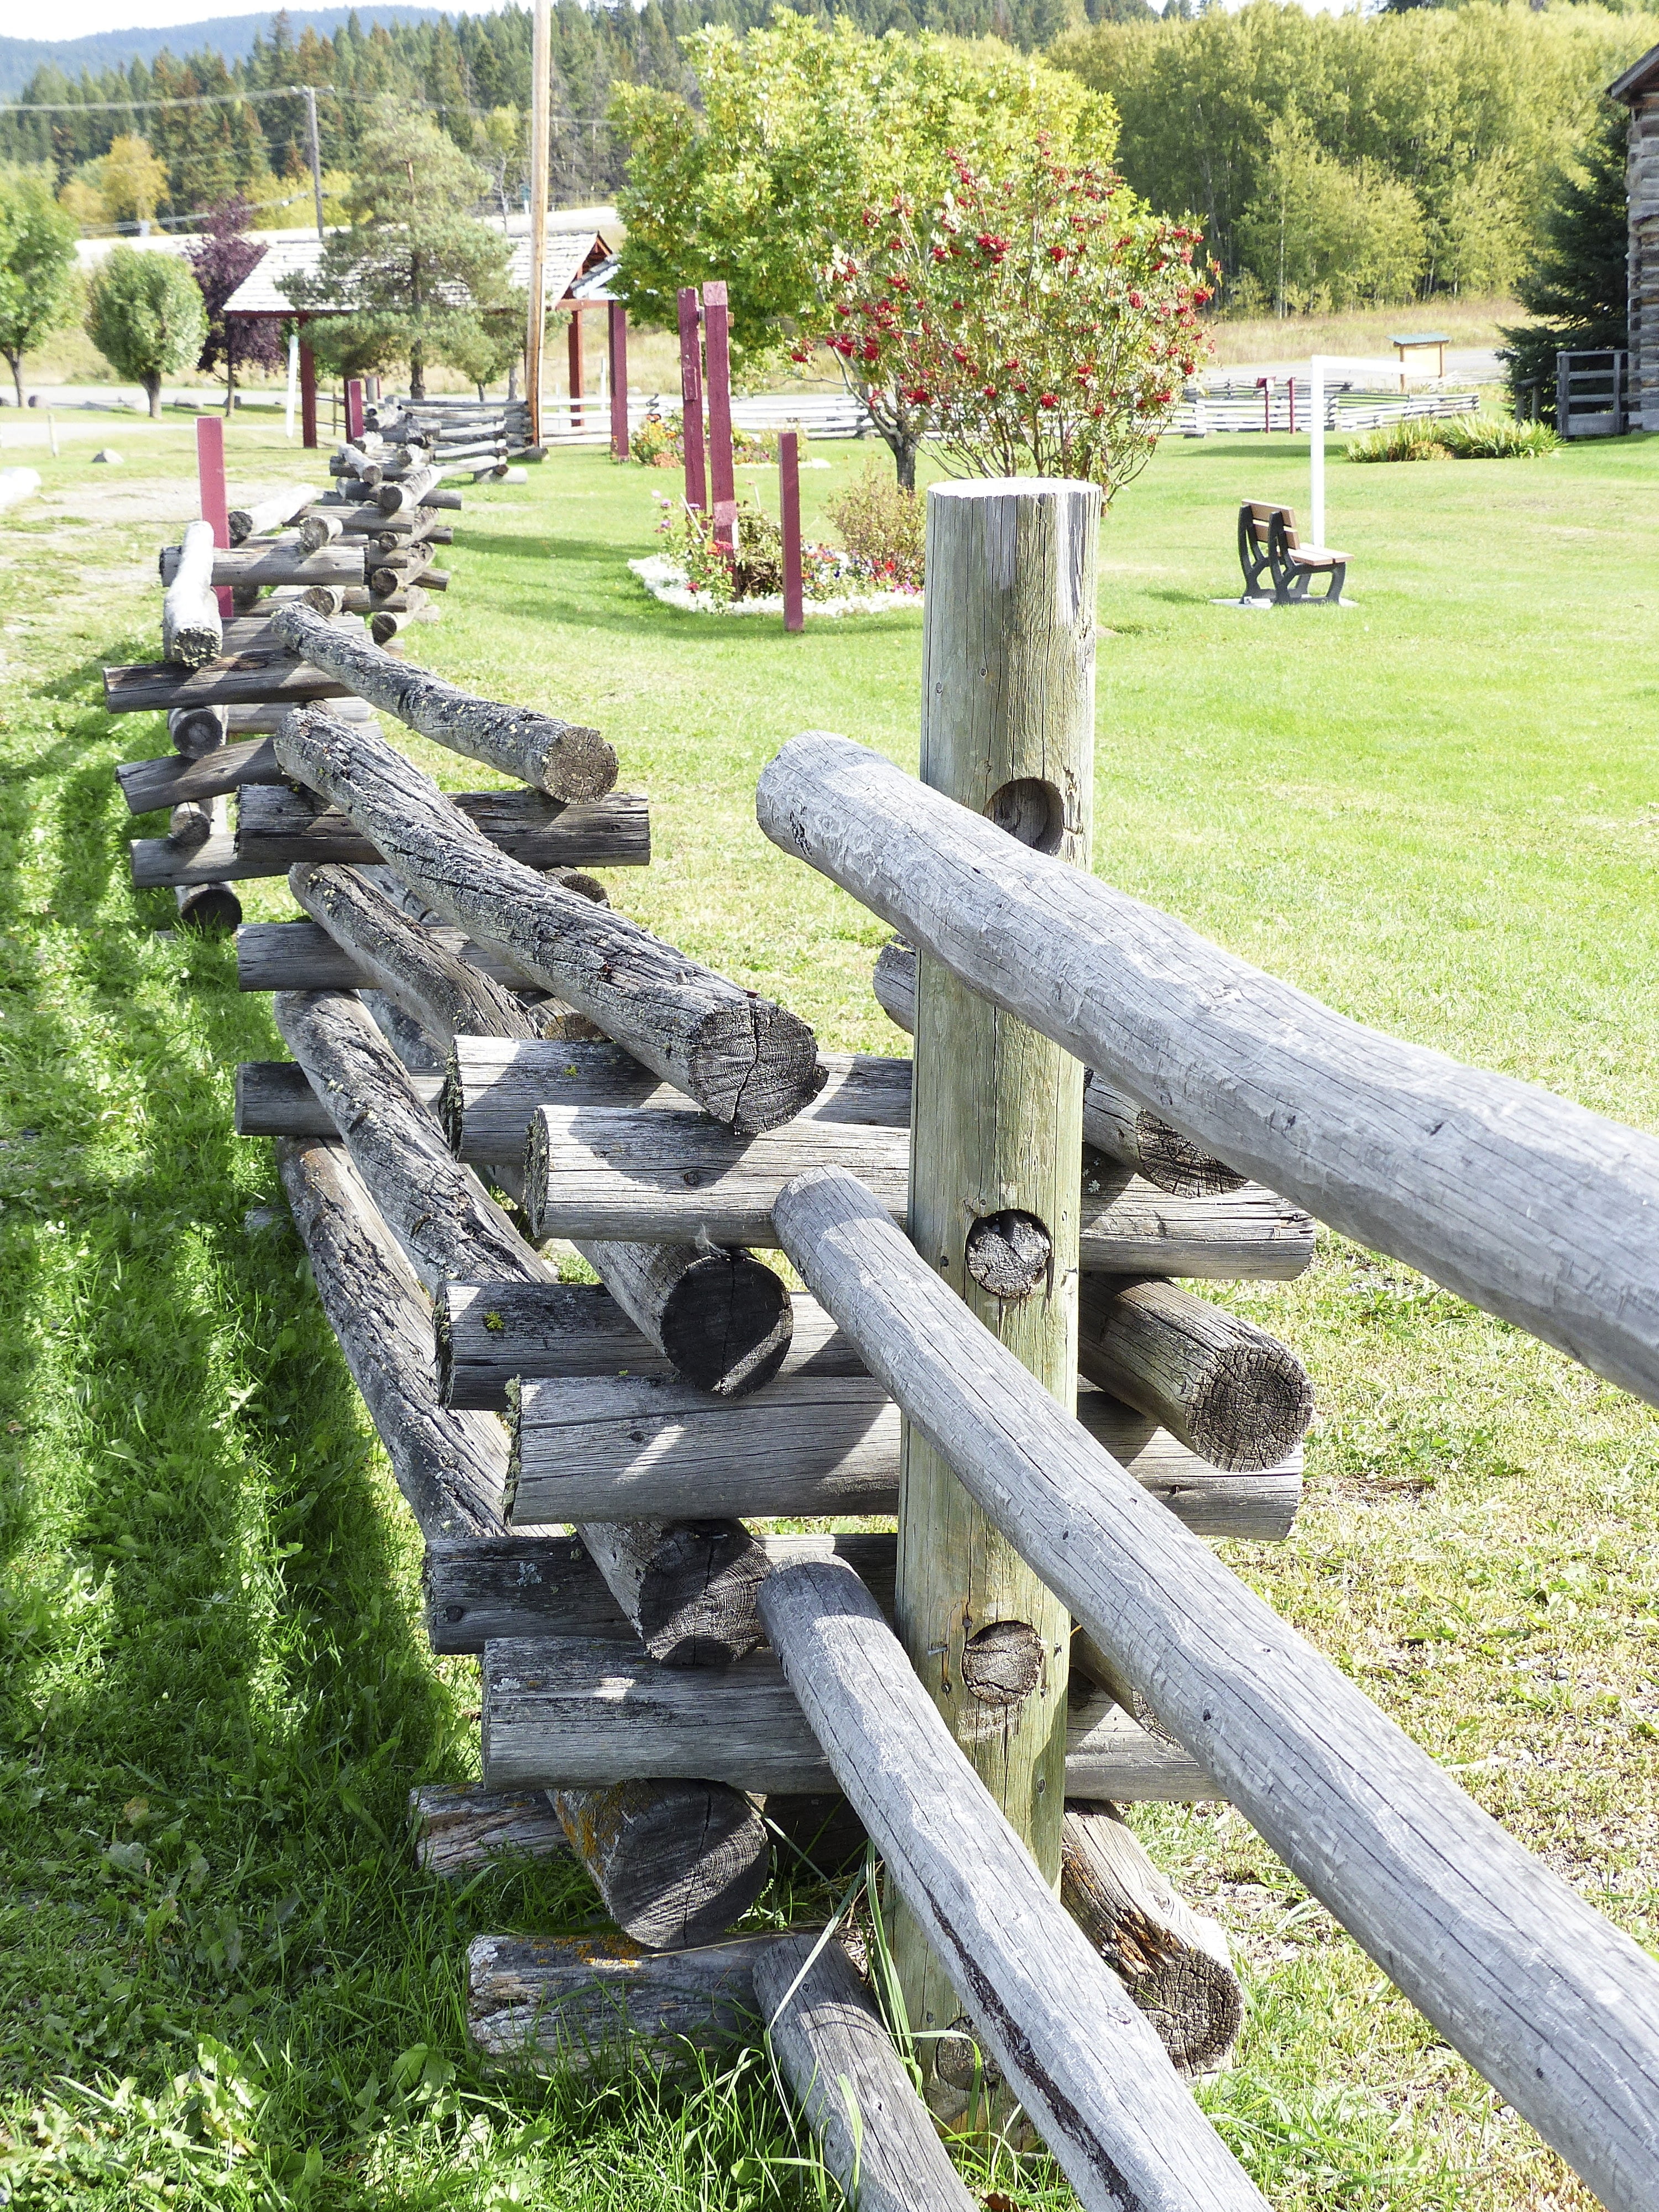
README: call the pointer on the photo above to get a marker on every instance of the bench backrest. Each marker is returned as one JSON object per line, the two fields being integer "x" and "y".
{"x": 1258, "y": 516}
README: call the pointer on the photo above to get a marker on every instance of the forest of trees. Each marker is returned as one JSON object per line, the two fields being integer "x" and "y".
{"x": 474, "y": 71}
{"x": 1330, "y": 158}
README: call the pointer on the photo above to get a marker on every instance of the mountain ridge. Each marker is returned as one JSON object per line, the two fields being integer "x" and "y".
{"x": 232, "y": 36}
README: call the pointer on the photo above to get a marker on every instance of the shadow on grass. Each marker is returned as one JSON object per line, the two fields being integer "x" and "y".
{"x": 213, "y": 1692}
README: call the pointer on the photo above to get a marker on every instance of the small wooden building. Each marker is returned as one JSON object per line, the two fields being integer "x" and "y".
{"x": 1638, "y": 88}
{"x": 579, "y": 264}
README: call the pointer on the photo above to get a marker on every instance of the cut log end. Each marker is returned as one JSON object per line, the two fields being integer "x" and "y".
{"x": 208, "y": 908}
{"x": 696, "y": 1598}
{"x": 677, "y": 1863}
{"x": 1171, "y": 1960}
{"x": 1173, "y": 1162}
{"x": 728, "y": 1323}
{"x": 1251, "y": 1409}
{"x": 753, "y": 1066}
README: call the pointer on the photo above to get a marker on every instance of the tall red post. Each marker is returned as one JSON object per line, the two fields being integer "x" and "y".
{"x": 354, "y": 407}
{"x": 210, "y": 481}
{"x": 618, "y": 334}
{"x": 722, "y": 489}
{"x": 794, "y": 611}
{"x": 307, "y": 398}
{"x": 696, "y": 475}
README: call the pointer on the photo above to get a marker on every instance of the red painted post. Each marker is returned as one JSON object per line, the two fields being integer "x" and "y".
{"x": 354, "y": 407}
{"x": 696, "y": 475}
{"x": 210, "y": 481}
{"x": 307, "y": 398}
{"x": 794, "y": 613}
{"x": 618, "y": 336}
{"x": 722, "y": 488}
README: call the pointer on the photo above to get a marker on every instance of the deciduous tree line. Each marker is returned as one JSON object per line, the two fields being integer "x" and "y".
{"x": 1333, "y": 158}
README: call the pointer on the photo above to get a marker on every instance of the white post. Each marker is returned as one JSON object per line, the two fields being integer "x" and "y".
{"x": 51, "y": 432}
{"x": 1316, "y": 451}
{"x": 293, "y": 380}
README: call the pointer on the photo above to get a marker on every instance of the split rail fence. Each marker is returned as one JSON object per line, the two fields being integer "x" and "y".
{"x": 361, "y": 554}
{"x": 993, "y": 1342}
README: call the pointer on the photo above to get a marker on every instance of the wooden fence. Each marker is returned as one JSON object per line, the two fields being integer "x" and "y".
{"x": 992, "y": 1341}
{"x": 357, "y": 557}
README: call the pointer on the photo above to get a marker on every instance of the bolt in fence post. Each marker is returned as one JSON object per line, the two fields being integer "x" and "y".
{"x": 722, "y": 488}
{"x": 1007, "y": 728}
{"x": 794, "y": 613}
{"x": 696, "y": 476}
{"x": 618, "y": 334}
{"x": 210, "y": 480}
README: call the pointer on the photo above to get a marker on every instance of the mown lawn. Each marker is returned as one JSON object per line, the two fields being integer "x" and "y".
{"x": 220, "y": 1983}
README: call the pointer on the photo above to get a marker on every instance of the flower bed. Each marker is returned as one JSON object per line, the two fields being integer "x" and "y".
{"x": 694, "y": 572}
{"x": 666, "y": 579}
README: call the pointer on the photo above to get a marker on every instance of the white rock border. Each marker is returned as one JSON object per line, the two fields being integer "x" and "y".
{"x": 666, "y": 581}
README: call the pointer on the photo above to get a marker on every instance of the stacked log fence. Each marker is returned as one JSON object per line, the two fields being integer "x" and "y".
{"x": 362, "y": 553}
{"x": 994, "y": 1352}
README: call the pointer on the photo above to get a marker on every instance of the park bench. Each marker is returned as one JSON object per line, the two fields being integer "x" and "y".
{"x": 1267, "y": 546}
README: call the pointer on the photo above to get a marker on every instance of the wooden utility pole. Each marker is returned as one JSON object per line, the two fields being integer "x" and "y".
{"x": 541, "y": 72}
{"x": 1007, "y": 728}
{"x": 314, "y": 148}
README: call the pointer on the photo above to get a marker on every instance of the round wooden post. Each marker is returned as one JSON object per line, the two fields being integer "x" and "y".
{"x": 617, "y": 334}
{"x": 697, "y": 474}
{"x": 307, "y": 398}
{"x": 1007, "y": 728}
{"x": 717, "y": 354}
{"x": 794, "y": 613}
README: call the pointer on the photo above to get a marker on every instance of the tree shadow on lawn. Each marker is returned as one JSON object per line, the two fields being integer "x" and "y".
{"x": 213, "y": 1695}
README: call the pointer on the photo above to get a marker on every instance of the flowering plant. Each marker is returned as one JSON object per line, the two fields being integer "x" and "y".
{"x": 1044, "y": 322}
{"x": 753, "y": 569}
{"x": 658, "y": 441}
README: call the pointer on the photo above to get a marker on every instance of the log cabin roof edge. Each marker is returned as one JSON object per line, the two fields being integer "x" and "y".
{"x": 1638, "y": 78}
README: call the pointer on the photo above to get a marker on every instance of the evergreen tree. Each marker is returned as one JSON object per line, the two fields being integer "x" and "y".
{"x": 419, "y": 269}
{"x": 1578, "y": 285}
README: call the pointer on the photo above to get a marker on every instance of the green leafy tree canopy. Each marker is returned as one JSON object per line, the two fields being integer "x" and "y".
{"x": 145, "y": 315}
{"x": 419, "y": 271}
{"x": 802, "y": 127}
{"x": 38, "y": 287}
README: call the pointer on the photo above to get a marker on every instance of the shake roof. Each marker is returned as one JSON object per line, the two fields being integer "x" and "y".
{"x": 579, "y": 266}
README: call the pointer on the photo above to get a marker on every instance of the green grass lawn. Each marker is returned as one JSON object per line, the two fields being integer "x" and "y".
{"x": 221, "y": 1982}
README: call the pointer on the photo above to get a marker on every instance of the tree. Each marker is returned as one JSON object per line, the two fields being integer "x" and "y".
{"x": 37, "y": 266}
{"x": 1044, "y": 322}
{"x": 1578, "y": 282}
{"x": 488, "y": 350}
{"x": 145, "y": 316}
{"x": 132, "y": 182}
{"x": 802, "y": 128}
{"x": 1324, "y": 234}
{"x": 418, "y": 268}
{"x": 220, "y": 261}
{"x": 1468, "y": 108}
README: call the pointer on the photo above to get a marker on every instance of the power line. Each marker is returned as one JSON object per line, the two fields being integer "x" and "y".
{"x": 174, "y": 99}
